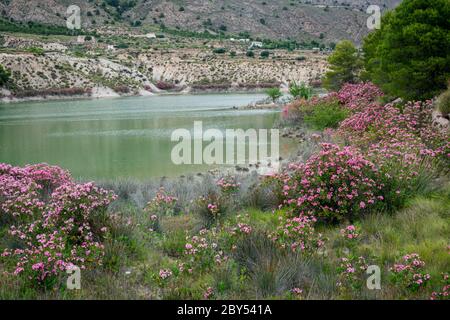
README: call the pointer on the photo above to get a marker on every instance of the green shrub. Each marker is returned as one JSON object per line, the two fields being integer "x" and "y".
{"x": 300, "y": 91}
{"x": 5, "y": 75}
{"x": 443, "y": 103}
{"x": 274, "y": 93}
{"x": 219, "y": 50}
{"x": 345, "y": 66}
{"x": 272, "y": 271}
{"x": 212, "y": 208}
{"x": 36, "y": 51}
{"x": 265, "y": 54}
{"x": 408, "y": 56}
{"x": 326, "y": 115}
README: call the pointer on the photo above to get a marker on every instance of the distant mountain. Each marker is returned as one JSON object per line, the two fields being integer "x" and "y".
{"x": 328, "y": 20}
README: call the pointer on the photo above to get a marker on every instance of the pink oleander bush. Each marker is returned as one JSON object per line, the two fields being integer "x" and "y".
{"x": 351, "y": 272}
{"x": 298, "y": 234}
{"x": 336, "y": 183}
{"x": 202, "y": 252}
{"x": 444, "y": 294}
{"x": 409, "y": 272}
{"x": 358, "y": 96}
{"x": 410, "y": 126}
{"x": 376, "y": 122}
{"x": 228, "y": 185}
{"x": 394, "y": 152}
{"x": 212, "y": 207}
{"x": 162, "y": 204}
{"x": 53, "y": 223}
{"x": 350, "y": 99}
{"x": 404, "y": 145}
{"x": 350, "y": 233}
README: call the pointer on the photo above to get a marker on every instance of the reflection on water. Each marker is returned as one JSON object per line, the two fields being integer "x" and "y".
{"x": 125, "y": 137}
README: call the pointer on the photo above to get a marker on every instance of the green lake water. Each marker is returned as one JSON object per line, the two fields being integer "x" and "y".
{"x": 123, "y": 137}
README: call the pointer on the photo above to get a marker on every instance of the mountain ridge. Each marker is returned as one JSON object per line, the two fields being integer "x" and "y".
{"x": 326, "y": 20}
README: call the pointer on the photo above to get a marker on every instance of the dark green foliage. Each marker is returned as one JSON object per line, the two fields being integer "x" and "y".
{"x": 121, "y": 5}
{"x": 274, "y": 93}
{"x": 326, "y": 115}
{"x": 36, "y": 28}
{"x": 219, "y": 50}
{"x": 250, "y": 54}
{"x": 265, "y": 54}
{"x": 5, "y": 74}
{"x": 345, "y": 66}
{"x": 409, "y": 56}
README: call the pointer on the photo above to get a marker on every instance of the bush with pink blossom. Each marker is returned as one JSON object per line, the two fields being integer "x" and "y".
{"x": 228, "y": 185}
{"x": 202, "y": 252}
{"x": 212, "y": 208}
{"x": 338, "y": 182}
{"x": 444, "y": 293}
{"x": 351, "y": 271}
{"x": 409, "y": 272}
{"x": 298, "y": 234}
{"x": 53, "y": 222}
{"x": 358, "y": 96}
{"x": 350, "y": 233}
{"x": 162, "y": 204}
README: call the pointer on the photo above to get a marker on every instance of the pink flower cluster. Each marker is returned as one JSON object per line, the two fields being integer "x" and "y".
{"x": 209, "y": 293}
{"x": 358, "y": 96}
{"x": 391, "y": 148}
{"x": 350, "y": 272}
{"x": 228, "y": 185}
{"x": 350, "y": 232}
{"x": 165, "y": 273}
{"x": 52, "y": 218}
{"x": 409, "y": 272}
{"x": 202, "y": 251}
{"x": 297, "y": 291}
{"x": 444, "y": 294}
{"x": 298, "y": 234}
{"x": 388, "y": 131}
{"x": 335, "y": 183}
{"x": 213, "y": 208}
{"x": 244, "y": 228}
{"x": 162, "y": 204}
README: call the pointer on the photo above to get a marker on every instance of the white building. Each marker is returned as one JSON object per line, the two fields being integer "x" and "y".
{"x": 256, "y": 44}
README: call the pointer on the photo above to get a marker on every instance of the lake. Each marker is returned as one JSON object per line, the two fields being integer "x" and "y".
{"x": 122, "y": 137}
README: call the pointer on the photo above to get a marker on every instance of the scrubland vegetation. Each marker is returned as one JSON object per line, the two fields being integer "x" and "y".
{"x": 374, "y": 192}
{"x": 372, "y": 189}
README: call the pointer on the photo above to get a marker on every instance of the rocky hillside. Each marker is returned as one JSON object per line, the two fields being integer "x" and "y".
{"x": 327, "y": 20}
{"x": 40, "y": 65}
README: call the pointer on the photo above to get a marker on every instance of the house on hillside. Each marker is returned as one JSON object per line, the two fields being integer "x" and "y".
{"x": 256, "y": 44}
{"x": 150, "y": 35}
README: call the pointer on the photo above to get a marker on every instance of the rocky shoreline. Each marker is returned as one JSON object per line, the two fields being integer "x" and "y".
{"x": 105, "y": 92}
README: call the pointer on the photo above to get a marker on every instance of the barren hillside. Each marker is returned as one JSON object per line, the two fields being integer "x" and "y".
{"x": 328, "y": 20}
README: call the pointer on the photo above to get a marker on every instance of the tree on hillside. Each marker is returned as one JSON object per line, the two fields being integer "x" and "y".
{"x": 345, "y": 66}
{"x": 4, "y": 75}
{"x": 409, "y": 56}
